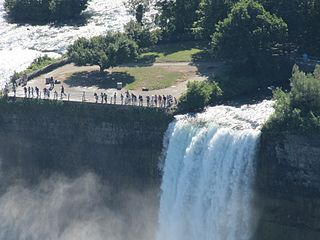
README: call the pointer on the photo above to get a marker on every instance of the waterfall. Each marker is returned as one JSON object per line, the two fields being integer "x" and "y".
{"x": 209, "y": 172}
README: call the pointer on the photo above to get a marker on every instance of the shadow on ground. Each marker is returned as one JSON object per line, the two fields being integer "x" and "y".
{"x": 96, "y": 79}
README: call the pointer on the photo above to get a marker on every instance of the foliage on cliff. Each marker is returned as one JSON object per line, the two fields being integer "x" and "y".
{"x": 198, "y": 95}
{"x": 105, "y": 51}
{"x": 298, "y": 111}
{"x": 37, "y": 64}
{"x": 44, "y": 10}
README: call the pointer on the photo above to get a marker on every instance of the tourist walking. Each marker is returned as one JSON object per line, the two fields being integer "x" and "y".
{"x": 25, "y": 91}
{"x": 105, "y": 98}
{"x": 62, "y": 92}
{"x": 96, "y": 97}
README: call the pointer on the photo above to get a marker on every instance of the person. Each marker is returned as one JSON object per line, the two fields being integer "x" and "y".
{"x": 32, "y": 92}
{"x": 115, "y": 98}
{"x": 14, "y": 89}
{"x": 164, "y": 101}
{"x": 44, "y": 92}
{"x": 121, "y": 99}
{"x": 160, "y": 100}
{"x": 140, "y": 101}
{"x": 37, "y": 92}
{"x": 148, "y": 101}
{"x": 96, "y": 97}
{"x": 156, "y": 100}
{"x": 25, "y": 91}
{"x": 55, "y": 96}
{"x": 83, "y": 96}
{"x": 29, "y": 91}
{"x": 62, "y": 91}
{"x": 105, "y": 98}
{"x": 101, "y": 95}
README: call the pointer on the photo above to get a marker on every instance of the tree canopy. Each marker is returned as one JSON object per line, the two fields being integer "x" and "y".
{"x": 189, "y": 19}
{"x": 248, "y": 34}
{"x": 44, "y": 10}
{"x": 105, "y": 51}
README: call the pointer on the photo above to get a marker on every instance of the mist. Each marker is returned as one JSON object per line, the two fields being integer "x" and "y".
{"x": 74, "y": 209}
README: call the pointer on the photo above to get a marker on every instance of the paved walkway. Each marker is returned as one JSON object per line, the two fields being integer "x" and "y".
{"x": 75, "y": 93}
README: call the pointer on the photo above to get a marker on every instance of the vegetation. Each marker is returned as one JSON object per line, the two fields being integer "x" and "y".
{"x": 151, "y": 77}
{"x": 37, "y": 64}
{"x": 176, "y": 52}
{"x": 198, "y": 95}
{"x": 45, "y": 10}
{"x": 181, "y": 19}
{"x": 143, "y": 35}
{"x": 105, "y": 51}
{"x": 298, "y": 110}
{"x": 248, "y": 35}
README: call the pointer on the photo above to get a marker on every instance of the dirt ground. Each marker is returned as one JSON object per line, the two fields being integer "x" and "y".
{"x": 76, "y": 89}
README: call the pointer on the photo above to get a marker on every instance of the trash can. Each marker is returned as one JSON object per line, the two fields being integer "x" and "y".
{"x": 119, "y": 85}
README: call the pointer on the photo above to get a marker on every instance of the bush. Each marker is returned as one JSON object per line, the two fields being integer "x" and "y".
{"x": 299, "y": 110}
{"x": 141, "y": 34}
{"x": 37, "y": 64}
{"x": 44, "y": 10}
{"x": 198, "y": 95}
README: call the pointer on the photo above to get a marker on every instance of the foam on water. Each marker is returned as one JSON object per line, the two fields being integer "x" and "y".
{"x": 208, "y": 174}
{"x": 21, "y": 44}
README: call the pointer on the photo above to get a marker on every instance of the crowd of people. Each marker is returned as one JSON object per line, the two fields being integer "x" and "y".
{"x": 35, "y": 92}
{"x": 126, "y": 98}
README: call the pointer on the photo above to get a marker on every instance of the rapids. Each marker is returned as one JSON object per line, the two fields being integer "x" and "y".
{"x": 21, "y": 44}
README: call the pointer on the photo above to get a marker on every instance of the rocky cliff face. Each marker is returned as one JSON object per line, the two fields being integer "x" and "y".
{"x": 116, "y": 142}
{"x": 288, "y": 188}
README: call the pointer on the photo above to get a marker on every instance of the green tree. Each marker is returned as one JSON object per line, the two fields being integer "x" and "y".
{"x": 176, "y": 17}
{"x": 198, "y": 95}
{"x": 248, "y": 35}
{"x": 143, "y": 35}
{"x": 302, "y": 17}
{"x": 210, "y": 12}
{"x": 104, "y": 51}
{"x": 44, "y": 10}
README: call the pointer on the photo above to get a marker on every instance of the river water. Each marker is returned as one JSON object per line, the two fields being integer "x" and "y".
{"x": 21, "y": 44}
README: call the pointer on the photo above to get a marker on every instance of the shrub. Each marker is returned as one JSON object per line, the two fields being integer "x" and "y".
{"x": 299, "y": 110}
{"x": 198, "y": 95}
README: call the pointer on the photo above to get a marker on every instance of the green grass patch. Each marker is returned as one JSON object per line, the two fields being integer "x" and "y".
{"x": 176, "y": 52}
{"x": 150, "y": 77}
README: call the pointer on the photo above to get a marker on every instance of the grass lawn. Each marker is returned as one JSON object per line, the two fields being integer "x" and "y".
{"x": 150, "y": 77}
{"x": 176, "y": 52}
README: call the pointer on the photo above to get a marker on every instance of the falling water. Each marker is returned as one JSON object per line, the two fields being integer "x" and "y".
{"x": 208, "y": 174}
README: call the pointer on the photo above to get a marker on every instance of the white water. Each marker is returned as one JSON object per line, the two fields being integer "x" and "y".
{"x": 21, "y": 44}
{"x": 208, "y": 174}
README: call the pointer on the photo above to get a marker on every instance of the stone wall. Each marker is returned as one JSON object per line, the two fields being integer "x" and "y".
{"x": 288, "y": 187}
{"x": 116, "y": 142}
